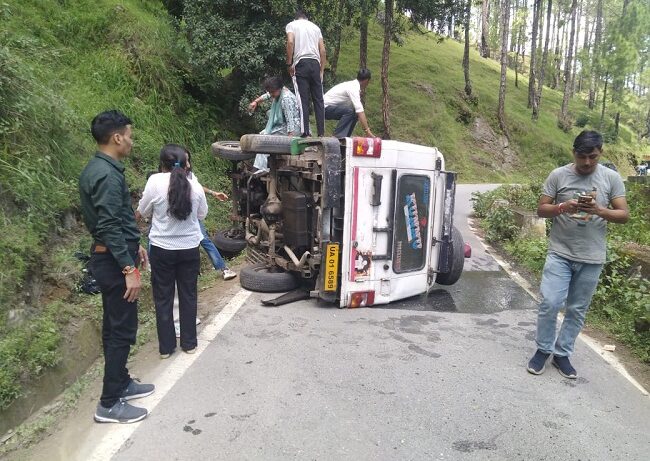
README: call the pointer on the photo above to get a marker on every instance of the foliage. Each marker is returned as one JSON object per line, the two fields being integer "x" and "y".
{"x": 529, "y": 252}
{"x": 500, "y": 224}
{"x": 25, "y": 353}
{"x": 637, "y": 229}
{"x": 522, "y": 196}
{"x": 60, "y": 64}
{"x": 621, "y": 303}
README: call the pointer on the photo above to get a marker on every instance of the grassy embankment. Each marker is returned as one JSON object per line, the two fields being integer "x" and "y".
{"x": 60, "y": 64}
{"x": 428, "y": 107}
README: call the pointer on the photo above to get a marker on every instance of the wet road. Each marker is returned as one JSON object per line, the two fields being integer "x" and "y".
{"x": 436, "y": 377}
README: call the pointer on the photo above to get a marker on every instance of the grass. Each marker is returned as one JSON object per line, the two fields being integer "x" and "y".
{"x": 62, "y": 62}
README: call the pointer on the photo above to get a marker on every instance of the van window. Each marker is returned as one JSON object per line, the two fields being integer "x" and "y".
{"x": 411, "y": 230}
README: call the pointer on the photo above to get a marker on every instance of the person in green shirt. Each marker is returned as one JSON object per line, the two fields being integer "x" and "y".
{"x": 115, "y": 255}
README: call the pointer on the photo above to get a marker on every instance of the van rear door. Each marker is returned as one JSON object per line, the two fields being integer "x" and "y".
{"x": 389, "y": 205}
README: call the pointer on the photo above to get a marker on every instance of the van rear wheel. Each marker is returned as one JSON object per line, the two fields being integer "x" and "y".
{"x": 457, "y": 258}
{"x": 265, "y": 279}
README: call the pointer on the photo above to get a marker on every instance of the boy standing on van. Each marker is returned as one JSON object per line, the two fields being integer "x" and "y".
{"x": 115, "y": 255}
{"x": 581, "y": 198}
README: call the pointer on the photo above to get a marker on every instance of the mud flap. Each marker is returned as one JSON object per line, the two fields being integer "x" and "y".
{"x": 290, "y": 297}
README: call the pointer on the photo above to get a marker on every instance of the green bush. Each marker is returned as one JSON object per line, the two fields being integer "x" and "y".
{"x": 529, "y": 251}
{"x": 525, "y": 196}
{"x": 25, "y": 352}
{"x": 622, "y": 301}
{"x": 582, "y": 120}
{"x": 499, "y": 221}
{"x": 637, "y": 229}
{"x": 500, "y": 225}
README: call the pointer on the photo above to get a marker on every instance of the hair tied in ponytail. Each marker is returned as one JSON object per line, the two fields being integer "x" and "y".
{"x": 179, "y": 195}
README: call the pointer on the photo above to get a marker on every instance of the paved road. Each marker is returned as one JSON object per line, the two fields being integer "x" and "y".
{"x": 440, "y": 377}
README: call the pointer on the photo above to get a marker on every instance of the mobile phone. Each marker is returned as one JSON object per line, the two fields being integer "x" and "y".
{"x": 585, "y": 198}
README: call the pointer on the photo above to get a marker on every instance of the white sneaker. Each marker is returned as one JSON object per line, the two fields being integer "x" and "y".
{"x": 228, "y": 274}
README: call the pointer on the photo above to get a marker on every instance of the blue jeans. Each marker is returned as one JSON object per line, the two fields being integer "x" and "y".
{"x": 214, "y": 255}
{"x": 570, "y": 283}
{"x": 347, "y": 118}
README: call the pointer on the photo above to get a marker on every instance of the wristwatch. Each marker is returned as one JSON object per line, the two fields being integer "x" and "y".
{"x": 128, "y": 270}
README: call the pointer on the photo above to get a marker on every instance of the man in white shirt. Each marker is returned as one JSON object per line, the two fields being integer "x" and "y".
{"x": 343, "y": 103}
{"x": 306, "y": 58}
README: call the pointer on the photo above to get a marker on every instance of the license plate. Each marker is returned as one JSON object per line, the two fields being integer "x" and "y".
{"x": 332, "y": 267}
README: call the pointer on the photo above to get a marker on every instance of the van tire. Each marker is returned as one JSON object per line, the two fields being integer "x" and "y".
{"x": 457, "y": 260}
{"x": 228, "y": 247}
{"x": 260, "y": 278}
{"x": 265, "y": 144}
{"x": 230, "y": 150}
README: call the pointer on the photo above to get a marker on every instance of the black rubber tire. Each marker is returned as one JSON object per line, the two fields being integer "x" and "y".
{"x": 227, "y": 246}
{"x": 258, "y": 278}
{"x": 230, "y": 150}
{"x": 457, "y": 260}
{"x": 265, "y": 144}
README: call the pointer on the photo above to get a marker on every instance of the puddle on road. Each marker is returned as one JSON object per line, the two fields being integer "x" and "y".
{"x": 475, "y": 293}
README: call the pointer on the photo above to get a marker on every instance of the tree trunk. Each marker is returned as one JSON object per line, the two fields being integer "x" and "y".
{"x": 334, "y": 60}
{"x": 577, "y": 20}
{"x": 542, "y": 67}
{"x": 568, "y": 65}
{"x": 363, "y": 43}
{"x": 595, "y": 67}
{"x": 602, "y": 112}
{"x": 485, "y": 42}
{"x": 617, "y": 119}
{"x": 556, "y": 55}
{"x": 586, "y": 46}
{"x": 505, "y": 22}
{"x": 385, "y": 106}
{"x": 468, "y": 83}
{"x": 533, "y": 52}
{"x": 521, "y": 47}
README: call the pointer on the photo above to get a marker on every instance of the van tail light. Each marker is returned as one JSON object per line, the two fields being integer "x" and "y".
{"x": 366, "y": 147}
{"x": 468, "y": 250}
{"x": 362, "y": 298}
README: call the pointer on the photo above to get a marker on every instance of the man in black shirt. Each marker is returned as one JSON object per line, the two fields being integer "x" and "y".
{"x": 115, "y": 255}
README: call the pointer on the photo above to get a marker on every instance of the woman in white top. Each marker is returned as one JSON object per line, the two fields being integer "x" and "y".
{"x": 176, "y": 205}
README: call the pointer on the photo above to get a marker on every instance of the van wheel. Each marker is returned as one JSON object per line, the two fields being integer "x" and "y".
{"x": 230, "y": 150}
{"x": 457, "y": 259}
{"x": 228, "y": 244}
{"x": 263, "y": 279}
{"x": 265, "y": 144}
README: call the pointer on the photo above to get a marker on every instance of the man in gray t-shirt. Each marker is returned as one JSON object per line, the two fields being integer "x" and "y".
{"x": 580, "y": 198}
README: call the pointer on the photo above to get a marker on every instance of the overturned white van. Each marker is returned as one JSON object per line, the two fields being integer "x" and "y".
{"x": 354, "y": 221}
